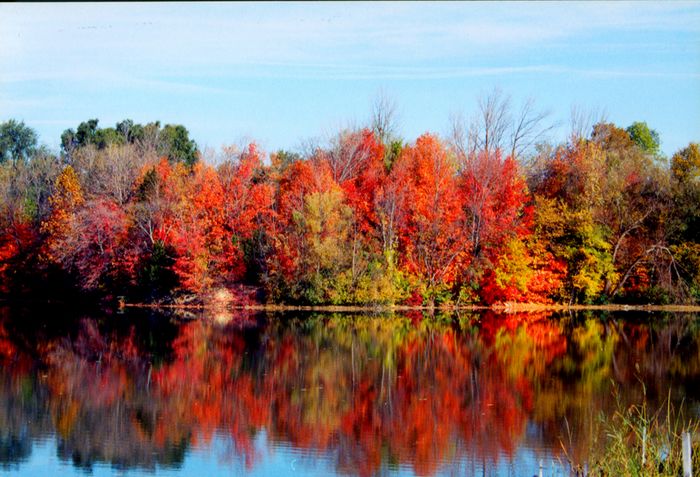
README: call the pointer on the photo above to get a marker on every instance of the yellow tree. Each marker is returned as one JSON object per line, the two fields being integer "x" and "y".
{"x": 66, "y": 200}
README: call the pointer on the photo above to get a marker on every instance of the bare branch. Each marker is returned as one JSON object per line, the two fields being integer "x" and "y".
{"x": 528, "y": 128}
{"x": 384, "y": 117}
{"x": 489, "y": 129}
{"x": 582, "y": 120}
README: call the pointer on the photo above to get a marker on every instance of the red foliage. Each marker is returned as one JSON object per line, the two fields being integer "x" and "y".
{"x": 495, "y": 199}
{"x": 16, "y": 239}
{"x": 431, "y": 237}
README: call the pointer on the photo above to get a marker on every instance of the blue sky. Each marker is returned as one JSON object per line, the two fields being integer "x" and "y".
{"x": 280, "y": 73}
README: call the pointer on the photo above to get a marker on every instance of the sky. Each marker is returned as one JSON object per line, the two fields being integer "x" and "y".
{"x": 282, "y": 73}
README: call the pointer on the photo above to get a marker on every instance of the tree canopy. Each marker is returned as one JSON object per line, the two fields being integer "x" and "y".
{"x": 365, "y": 217}
{"x": 17, "y": 141}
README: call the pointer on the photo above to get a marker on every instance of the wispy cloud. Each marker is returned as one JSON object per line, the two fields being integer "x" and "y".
{"x": 199, "y": 60}
{"x": 198, "y": 35}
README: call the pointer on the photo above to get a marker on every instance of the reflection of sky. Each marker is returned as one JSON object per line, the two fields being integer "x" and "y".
{"x": 280, "y": 73}
{"x": 277, "y": 460}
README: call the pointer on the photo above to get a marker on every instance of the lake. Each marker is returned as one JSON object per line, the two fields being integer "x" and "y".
{"x": 282, "y": 394}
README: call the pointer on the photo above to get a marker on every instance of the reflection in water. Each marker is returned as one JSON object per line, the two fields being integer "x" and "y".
{"x": 475, "y": 394}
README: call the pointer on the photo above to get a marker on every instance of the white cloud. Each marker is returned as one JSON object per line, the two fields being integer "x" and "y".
{"x": 175, "y": 37}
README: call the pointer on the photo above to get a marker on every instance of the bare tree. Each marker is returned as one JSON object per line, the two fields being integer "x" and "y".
{"x": 347, "y": 154}
{"x": 492, "y": 122}
{"x": 582, "y": 120}
{"x": 309, "y": 146}
{"x": 384, "y": 117}
{"x": 496, "y": 126}
{"x": 459, "y": 138}
{"x": 110, "y": 172}
{"x": 528, "y": 128}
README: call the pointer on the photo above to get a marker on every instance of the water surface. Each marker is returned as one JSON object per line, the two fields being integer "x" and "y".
{"x": 329, "y": 394}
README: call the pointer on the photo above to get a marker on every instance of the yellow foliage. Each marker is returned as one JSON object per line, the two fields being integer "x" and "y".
{"x": 66, "y": 199}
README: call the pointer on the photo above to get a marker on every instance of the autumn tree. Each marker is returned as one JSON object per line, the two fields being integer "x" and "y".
{"x": 348, "y": 154}
{"x": 25, "y": 190}
{"x": 312, "y": 232}
{"x": 154, "y": 216}
{"x": 66, "y": 201}
{"x": 603, "y": 204}
{"x": 247, "y": 212}
{"x": 431, "y": 238}
{"x": 96, "y": 247}
{"x": 685, "y": 218}
{"x": 86, "y": 238}
{"x": 504, "y": 259}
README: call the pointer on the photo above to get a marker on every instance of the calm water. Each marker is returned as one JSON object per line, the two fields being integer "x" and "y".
{"x": 276, "y": 395}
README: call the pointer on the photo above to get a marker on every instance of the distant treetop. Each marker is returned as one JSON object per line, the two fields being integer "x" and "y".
{"x": 17, "y": 141}
{"x": 171, "y": 140}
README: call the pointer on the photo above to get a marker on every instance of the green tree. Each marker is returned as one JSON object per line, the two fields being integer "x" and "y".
{"x": 17, "y": 141}
{"x": 646, "y": 139}
{"x": 108, "y": 136}
{"x": 87, "y": 132}
{"x": 84, "y": 135}
{"x": 177, "y": 145}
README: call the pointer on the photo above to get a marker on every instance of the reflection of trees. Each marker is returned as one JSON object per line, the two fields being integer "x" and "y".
{"x": 105, "y": 411}
{"x": 23, "y": 401}
{"x": 22, "y": 416}
{"x": 368, "y": 389}
{"x": 371, "y": 391}
{"x": 93, "y": 395}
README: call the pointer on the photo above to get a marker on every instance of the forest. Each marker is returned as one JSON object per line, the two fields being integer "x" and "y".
{"x": 490, "y": 214}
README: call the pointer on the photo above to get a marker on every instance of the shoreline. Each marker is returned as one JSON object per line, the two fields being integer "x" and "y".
{"x": 501, "y": 307}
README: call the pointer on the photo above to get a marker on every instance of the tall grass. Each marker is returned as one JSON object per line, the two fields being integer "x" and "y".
{"x": 636, "y": 441}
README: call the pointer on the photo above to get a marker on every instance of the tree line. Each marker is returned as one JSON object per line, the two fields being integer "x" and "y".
{"x": 493, "y": 213}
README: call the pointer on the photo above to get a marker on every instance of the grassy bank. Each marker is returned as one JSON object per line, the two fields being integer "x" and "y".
{"x": 638, "y": 441}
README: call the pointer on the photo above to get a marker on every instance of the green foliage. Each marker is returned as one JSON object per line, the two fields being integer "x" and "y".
{"x": 590, "y": 261}
{"x": 688, "y": 255}
{"x": 392, "y": 153}
{"x": 148, "y": 185}
{"x": 438, "y": 294}
{"x": 130, "y": 132}
{"x": 108, "y": 136}
{"x": 685, "y": 167}
{"x": 324, "y": 224}
{"x": 468, "y": 293}
{"x": 646, "y": 139}
{"x": 282, "y": 159}
{"x": 17, "y": 141}
{"x": 382, "y": 282}
{"x": 88, "y": 133}
{"x": 156, "y": 276}
{"x": 171, "y": 141}
{"x": 177, "y": 145}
